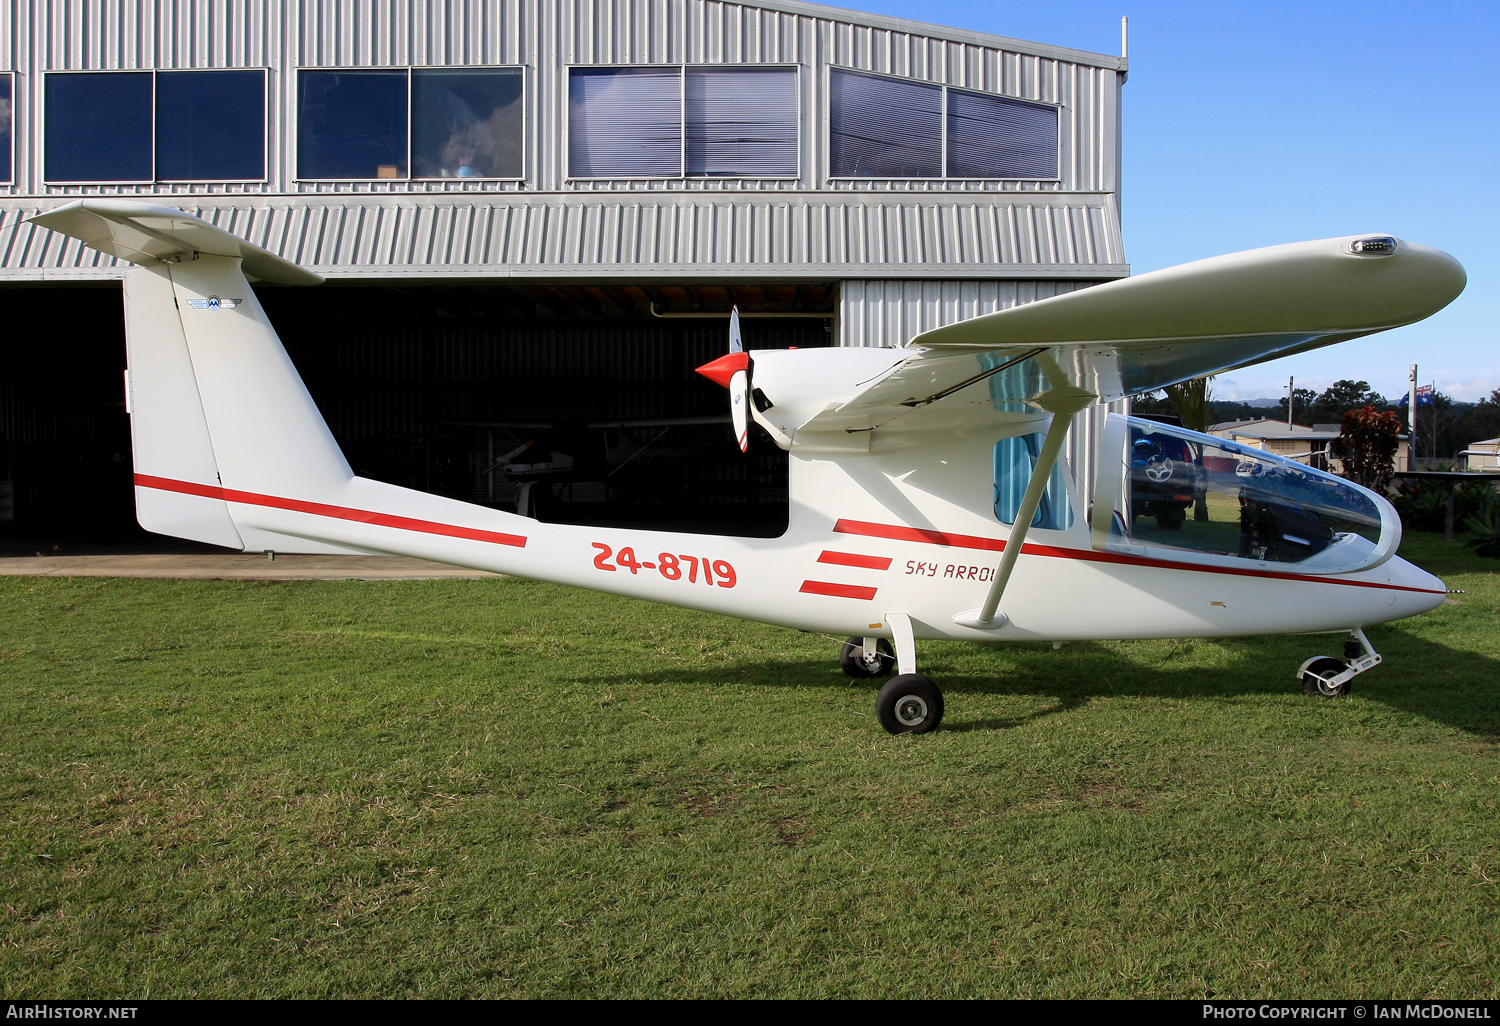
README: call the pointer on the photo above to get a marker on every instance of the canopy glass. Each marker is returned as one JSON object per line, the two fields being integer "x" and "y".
{"x": 1187, "y": 496}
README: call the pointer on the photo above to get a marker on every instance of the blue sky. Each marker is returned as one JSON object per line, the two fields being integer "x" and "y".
{"x": 1251, "y": 124}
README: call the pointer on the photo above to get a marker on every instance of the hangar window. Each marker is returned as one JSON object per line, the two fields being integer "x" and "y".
{"x": 210, "y": 126}
{"x": 144, "y": 126}
{"x": 741, "y": 122}
{"x": 405, "y": 123}
{"x": 466, "y": 123}
{"x": 882, "y": 127}
{"x": 997, "y": 137}
{"x": 625, "y": 123}
{"x": 674, "y": 122}
{"x": 7, "y": 85}
{"x": 351, "y": 124}
{"x": 98, "y": 127}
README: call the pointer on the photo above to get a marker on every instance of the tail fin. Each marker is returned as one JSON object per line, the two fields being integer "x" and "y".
{"x": 216, "y": 406}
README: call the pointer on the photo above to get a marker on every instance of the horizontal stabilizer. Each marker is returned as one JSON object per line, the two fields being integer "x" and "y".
{"x": 145, "y": 233}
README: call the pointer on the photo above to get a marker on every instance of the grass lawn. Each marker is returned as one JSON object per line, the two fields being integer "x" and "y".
{"x": 493, "y": 788}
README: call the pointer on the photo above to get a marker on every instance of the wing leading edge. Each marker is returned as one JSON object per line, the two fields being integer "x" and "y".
{"x": 1157, "y": 329}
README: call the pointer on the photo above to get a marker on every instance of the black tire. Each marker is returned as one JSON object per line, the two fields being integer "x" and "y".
{"x": 1325, "y": 666}
{"x": 852, "y": 659}
{"x": 909, "y": 704}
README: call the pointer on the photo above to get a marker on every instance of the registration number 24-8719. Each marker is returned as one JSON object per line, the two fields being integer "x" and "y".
{"x": 672, "y": 567}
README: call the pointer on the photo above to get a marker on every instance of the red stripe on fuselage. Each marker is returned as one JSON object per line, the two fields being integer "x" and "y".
{"x": 853, "y": 591}
{"x": 967, "y": 541}
{"x": 324, "y": 510}
{"x": 855, "y": 559}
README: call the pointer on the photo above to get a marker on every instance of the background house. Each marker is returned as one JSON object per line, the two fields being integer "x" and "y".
{"x": 1305, "y": 444}
{"x": 1483, "y": 455}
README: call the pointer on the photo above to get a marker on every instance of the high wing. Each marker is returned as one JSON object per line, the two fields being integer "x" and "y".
{"x": 1157, "y": 329}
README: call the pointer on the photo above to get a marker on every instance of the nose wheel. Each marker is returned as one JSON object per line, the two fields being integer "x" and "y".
{"x": 1319, "y": 674}
{"x": 1328, "y": 677}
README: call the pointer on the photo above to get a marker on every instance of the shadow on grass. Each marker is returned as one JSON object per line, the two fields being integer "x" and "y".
{"x": 1458, "y": 688}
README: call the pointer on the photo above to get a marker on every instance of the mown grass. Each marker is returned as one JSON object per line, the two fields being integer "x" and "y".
{"x": 497, "y": 788}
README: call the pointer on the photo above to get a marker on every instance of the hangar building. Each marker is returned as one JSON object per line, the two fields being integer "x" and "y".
{"x": 534, "y": 217}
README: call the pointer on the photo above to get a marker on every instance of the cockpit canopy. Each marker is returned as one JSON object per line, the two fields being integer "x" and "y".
{"x": 1191, "y": 497}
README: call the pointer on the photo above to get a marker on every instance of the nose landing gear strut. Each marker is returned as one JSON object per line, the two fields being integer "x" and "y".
{"x": 1329, "y": 677}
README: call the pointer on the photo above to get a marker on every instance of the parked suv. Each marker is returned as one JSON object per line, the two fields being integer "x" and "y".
{"x": 1166, "y": 476}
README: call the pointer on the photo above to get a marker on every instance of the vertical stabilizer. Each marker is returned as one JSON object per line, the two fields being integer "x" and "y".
{"x": 221, "y": 424}
{"x": 230, "y": 447}
{"x": 269, "y": 436}
{"x": 168, "y": 432}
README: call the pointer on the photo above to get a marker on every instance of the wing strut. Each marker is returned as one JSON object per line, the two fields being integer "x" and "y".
{"x": 1063, "y": 404}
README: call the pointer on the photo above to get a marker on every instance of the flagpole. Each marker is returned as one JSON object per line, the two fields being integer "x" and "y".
{"x": 1411, "y": 418}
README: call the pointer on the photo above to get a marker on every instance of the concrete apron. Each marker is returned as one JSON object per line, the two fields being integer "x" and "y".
{"x": 236, "y": 567}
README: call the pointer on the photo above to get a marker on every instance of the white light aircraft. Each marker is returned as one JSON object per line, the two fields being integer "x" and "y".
{"x": 929, "y": 496}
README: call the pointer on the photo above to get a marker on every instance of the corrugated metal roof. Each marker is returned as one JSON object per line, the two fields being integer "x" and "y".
{"x": 771, "y": 235}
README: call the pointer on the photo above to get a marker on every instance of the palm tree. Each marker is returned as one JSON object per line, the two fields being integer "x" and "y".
{"x": 1191, "y": 399}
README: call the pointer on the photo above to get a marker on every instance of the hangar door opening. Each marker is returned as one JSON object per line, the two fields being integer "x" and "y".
{"x": 573, "y": 404}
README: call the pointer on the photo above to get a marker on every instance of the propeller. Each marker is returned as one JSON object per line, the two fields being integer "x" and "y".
{"x": 733, "y": 372}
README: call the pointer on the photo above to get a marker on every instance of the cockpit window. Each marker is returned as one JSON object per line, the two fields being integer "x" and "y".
{"x": 1015, "y": 459}
{"x": 1199, "y": 495}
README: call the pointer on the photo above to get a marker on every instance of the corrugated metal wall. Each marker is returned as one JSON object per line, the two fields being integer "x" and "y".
{"x": 888, "y": 313}
{"x": 548, "y": 225}
{"x": 546, "y": 36}
{"x": 814, "y": 236}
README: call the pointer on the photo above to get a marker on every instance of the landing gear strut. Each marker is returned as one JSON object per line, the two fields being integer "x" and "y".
{"x": 1328, "y": 677}
{"x": 909, "y": 703}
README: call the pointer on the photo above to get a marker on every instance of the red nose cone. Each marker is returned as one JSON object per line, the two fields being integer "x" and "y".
{"x": 724, "y": 368}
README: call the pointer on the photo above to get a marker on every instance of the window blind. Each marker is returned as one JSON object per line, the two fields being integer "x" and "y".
{"x": 884, "y": 127}
{"x": 742, "y": 121}
{"x": 625, "y": 123}
{"x": 997, "y": 137}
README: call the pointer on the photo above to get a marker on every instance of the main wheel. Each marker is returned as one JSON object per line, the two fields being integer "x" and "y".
{"x": 1324, "y": 666}
{"x": 853, "y": 662}
{"x": 909, "y": 704}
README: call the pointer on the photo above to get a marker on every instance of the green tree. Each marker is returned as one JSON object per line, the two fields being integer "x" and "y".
{"x": 1478, "y": 422}
{"x": 1302, "y": 413}
{"x": 1435, "y": 427}
{"x": 1341, "y": 397}
{"x": 1151, "y": 402}
{"x": 1191, "y": 400}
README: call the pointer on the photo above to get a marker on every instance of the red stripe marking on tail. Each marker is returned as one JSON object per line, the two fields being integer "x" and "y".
{"x": 324, "y": 510}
